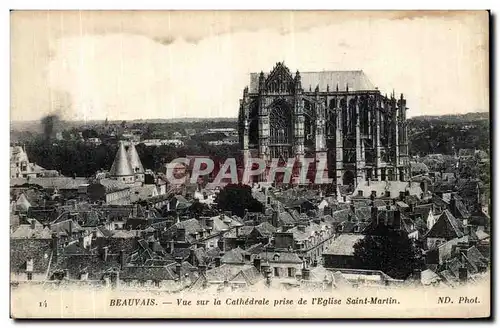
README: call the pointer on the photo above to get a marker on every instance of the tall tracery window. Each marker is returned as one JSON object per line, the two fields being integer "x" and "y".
{"x": 280, "y": 124}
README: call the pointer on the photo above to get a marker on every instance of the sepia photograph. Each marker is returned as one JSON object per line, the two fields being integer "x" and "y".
{"x": 250, "y": 164}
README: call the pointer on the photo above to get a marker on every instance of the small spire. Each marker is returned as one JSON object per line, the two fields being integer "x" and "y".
{"x": 347, "y": 87}
{"x": 337, "y": 87}
{"x": 327, "y": 88}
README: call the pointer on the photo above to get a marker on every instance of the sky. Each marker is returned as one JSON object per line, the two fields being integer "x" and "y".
{"x": 125, "y": 65}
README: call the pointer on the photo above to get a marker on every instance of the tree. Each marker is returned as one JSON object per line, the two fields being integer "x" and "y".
{"x": 236, "y": 198}
{"x": 89, "y": 133}
{"x": 388, "y": 250}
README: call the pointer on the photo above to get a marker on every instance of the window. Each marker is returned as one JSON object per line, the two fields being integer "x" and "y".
{"x": 291, "y": 272}
{"x": 29, "y": 275}
{"x": 276, "y": 272}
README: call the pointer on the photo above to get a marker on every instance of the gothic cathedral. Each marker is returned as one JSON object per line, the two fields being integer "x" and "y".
{"x": 334, "y": 115}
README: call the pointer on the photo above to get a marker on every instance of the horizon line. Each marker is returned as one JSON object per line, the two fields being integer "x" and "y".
{"x": 212, "y": 118}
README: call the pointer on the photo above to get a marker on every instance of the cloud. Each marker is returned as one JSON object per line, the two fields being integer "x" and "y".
{"x": 166, "y": 66}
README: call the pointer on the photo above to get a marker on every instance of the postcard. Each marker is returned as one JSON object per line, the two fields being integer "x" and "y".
{"x": 250, "y": 164}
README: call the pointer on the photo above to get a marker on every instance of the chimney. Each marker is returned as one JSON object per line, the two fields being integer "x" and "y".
{"x": 306, "y": 273}
{"x": 192, "y": 257}
{"x": 257, "y": 263}
{"x": 417, "y": 275}
{"x": 70, "y": 228}
{"x": 210, "y": 223}
{"x": 264, "y": 267}
{"x": 222, "y": 244}
{"x": 217, "y": 261}
{"x": 374, "y": 213}
{"x": 412, "y": 206}
{"x": 237, "y": 231}
{"x": 122, "y": 259}
{"x": 104, "y": 253}
{"x": 274, "y": 218}
{"x": 32, "y": 224}
{"x": 462, "y": 274}
{"x": 181, "y": 234}
{"x": 453, "y": 205}
{"x": 368, "y": 182}
{"x": 397, "y": 220}
{"x": 55, "y": 243}
{"x": 82, "y": 242}
{"x": 172, "y": 246}
{"x": 178, "y": 267}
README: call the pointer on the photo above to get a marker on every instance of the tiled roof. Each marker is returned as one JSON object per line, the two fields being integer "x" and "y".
{"x": 449, "y": 278}
{"x": 280, "y": 257}
{"x": 309, "y": 231}
{"x": 286, "y": 218}
{"x": 144, "y": 192}
{"x": 24, "y": 231}
{"x": 266, "y": 229}
{"x": 466, "y": 152}
{"x": 355, "y": 80}
{"x": 146, "y": 273}
{"x": 134, "y": 160}
{"x": 343, "y": 245}
{"x": 256, "y": 248}
{"x": 363, "y": 213}
{"x": 229, "y": 272}
{"x": 23, "y": 249}
{"x": 74, "y": 248}
{"x": 446, "y": 226}
{"x": 236, "y": 255}
{"x": 63, "y": 227}
{"x": 124, "y": 234}
{"x": 428, "y": 277}
{"x": 111, "y": 185}
{"x": 60, "y": 183}
{"x": 475, "y": 257}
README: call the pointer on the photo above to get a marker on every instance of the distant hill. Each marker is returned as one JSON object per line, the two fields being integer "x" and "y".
{"x": 447, "y": 134}
{"x": 454, "y": 118}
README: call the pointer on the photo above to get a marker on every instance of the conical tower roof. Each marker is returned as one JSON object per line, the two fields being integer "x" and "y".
{"x": 134, "y": 160}
{"x": 121, "y": 166}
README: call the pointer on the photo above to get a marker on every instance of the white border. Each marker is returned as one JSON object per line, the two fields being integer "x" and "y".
{"x": 191, "y": 4}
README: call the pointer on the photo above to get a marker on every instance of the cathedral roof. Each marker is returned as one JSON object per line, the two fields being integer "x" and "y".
{"x": 355, "y": 80}
{"x": 121, "y": 165}
{"x": 134, "y": 160}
